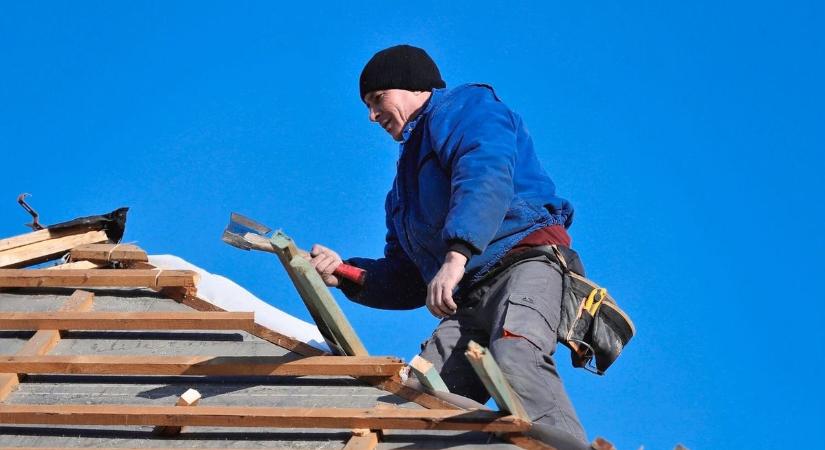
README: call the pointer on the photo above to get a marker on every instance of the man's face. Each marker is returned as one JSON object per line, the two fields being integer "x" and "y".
{"x": 393, "y": 108}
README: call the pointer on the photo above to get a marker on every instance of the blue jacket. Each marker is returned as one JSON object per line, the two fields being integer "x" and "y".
{"x": 467, "y": 174}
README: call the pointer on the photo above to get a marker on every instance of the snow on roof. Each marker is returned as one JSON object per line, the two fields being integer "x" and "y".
{"x": 227, "y": 294}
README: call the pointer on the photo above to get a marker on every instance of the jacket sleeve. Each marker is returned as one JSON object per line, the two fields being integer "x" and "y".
{"x": 392, "y": 282}
{"x": 477, "y": 143}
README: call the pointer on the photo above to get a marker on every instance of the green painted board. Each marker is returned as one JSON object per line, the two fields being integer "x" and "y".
{"x": 427, "y": 375}
{"x": 325, "y": 311}
{"x": 493, "y": 379}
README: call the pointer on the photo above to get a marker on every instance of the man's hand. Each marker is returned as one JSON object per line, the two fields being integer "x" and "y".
{"x": 325, "y": 261}
{"x": 440, "y": 290}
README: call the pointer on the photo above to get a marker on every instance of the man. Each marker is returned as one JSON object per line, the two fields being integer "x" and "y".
{"x": 468, "y": 197}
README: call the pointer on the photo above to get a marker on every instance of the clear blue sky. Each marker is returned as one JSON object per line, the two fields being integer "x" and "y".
{"x": 688, "y": 135}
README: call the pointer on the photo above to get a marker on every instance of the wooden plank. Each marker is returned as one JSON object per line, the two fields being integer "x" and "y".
{"x": 96, "y": 278}
{"x": 48, "y": 249}
{"x": 109, "y": 252}
{"x": 362, "y": 439}
{"x": 495, "y": 382}
{"x": 322, "y": 306}
{"x": 44, "y": 340}
{"x": 202, "y": 365}
{"x": 246, "y": 416}
{"x": 37, "y": 236}
{"x": 126, "y": 320}
{"x": 427, "y": 374}
{"x": 189, "y": 398}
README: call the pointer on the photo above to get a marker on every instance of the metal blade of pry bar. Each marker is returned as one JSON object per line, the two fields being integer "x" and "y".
{"x": 238, "y": 227}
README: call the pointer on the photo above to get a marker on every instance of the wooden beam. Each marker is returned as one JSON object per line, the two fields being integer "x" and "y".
{"x": 427, "y": 375}
{"x": 97, "y": 278}
{"x": 362, "y": 439}
{"x": 44, "y": 340}
{"x": 104, "y": 253}
{"x": 328, "y": 316}
{"x": 395, "y": 386}
{"x": 202, "y": 365}
{"x": 247, "y": 416}
{"x": 189, "y": 398}
{"x": 126, "y": 321}
{"x": 493, "y": 379}
{"x": 45, "y": 250}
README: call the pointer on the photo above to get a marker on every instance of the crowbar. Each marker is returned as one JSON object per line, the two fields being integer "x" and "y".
{"x": 247, "y": 234}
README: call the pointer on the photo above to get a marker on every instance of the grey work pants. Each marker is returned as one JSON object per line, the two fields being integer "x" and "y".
{"x": 524, "y": 300}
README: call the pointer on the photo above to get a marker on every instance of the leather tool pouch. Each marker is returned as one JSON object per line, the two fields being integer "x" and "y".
{"x": 592, "y": 325}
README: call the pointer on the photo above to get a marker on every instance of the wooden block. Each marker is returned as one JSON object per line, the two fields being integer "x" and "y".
{"x": 97, "y": 278}
{"x": 127, "y": 321}
{"x": 48, "y": 249}
{"x": 104, "y": 253}
{"x": 495, "y": 382}
{"x": 82, "y": 265}
{"x": 202, "y": 365}
{"x": 362, "y": 439}
{"x": 189, "y": 398}
{"x": 427, "y": 375}
{"x": 247, "y": 416}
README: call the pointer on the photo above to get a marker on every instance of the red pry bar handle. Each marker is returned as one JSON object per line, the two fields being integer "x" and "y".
{"x": 352, "y": 273}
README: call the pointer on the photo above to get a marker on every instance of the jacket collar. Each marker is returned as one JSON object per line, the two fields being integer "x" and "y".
{"x": 434, "y": 99}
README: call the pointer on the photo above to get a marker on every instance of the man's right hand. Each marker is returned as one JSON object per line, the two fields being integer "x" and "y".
{"x": 325, "y": 261}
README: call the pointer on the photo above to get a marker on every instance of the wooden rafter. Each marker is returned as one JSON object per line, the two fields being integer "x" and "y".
{"x": 126, "y": 320}
{"x": 245, "y": 416}
{"x": 97, "y": 278}
{"x": 202, "y": 365}
{"x": 44, "y": 340}
{"x": 189, "y": 298}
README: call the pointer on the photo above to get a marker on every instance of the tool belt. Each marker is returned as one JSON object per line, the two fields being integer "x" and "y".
{"x": 592, "y": 325}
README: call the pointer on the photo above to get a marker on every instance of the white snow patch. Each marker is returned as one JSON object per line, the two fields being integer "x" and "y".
{"x": 227, "y": 294}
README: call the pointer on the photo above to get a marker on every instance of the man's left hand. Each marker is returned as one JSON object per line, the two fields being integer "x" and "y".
{"x": 440, "y": 290}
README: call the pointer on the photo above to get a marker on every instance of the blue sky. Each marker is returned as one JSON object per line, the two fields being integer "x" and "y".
{"x": 689, "y": 136}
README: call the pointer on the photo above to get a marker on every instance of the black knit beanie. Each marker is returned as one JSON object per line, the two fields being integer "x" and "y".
{"x": 400, "y": 67}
